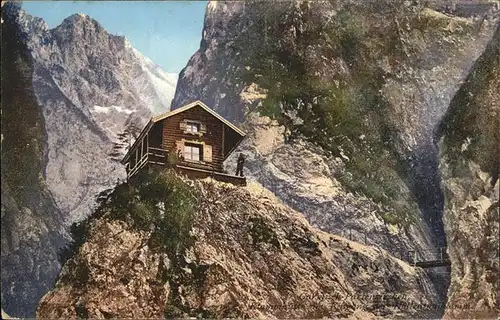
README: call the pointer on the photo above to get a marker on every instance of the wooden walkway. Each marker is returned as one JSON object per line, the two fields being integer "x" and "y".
{"x": 431, "y": 258}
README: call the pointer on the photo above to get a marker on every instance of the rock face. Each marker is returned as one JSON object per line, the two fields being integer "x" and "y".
{"x": 71, "y": 90}
{"x": 470, "y": 145}
{"x": 358, "y": 92}
{"x": 304, "y": 177}
{"x": 32, "y": 225}
{"x": 251, "y": 256}
{"x": 90, "y": 84}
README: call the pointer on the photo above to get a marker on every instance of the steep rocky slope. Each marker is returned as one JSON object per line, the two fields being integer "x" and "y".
{"x": 66, "y": 93}
{"x": 353, "y": 91}
{"x": 32, "y": 228}
{"x": 90, "y": 84}
{"x": 470, "y": 149}
{"x": 234, "y": 252}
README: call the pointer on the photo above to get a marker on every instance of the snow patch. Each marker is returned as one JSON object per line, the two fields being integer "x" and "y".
{"x": 123, "y": 110}
{"x": 106, "y": 110}
{"x": 99, "y": 109}
{"x": 155, "y": 87}
{"x": 212, "y": 5}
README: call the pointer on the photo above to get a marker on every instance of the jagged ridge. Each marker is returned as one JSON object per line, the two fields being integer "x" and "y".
{"x": 90, "y": 84}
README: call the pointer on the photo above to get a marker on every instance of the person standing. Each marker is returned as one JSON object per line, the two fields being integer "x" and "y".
{"x": 239, "y": 165}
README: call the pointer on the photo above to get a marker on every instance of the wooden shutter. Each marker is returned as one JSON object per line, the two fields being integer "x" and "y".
{"x": 207, "y": 153}
{"x": 182, "y": 125}
{"x": 203, "y": 128}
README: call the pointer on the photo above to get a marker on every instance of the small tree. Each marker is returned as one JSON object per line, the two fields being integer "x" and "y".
{"x": 125, "y": 139}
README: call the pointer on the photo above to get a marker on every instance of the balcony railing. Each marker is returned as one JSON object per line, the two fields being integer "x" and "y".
{"x": 159, "y": 156}
{"x": 154, "y": 155}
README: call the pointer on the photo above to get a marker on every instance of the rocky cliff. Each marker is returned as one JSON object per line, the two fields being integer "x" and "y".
{"x": 90, "y": 84}
{"x": 234, "y": 252}
{"x": 32, "y": 225}
{"x": 470, "y": 149}
{"x": 340, "y": 99}
{"x": 66, "y": 93}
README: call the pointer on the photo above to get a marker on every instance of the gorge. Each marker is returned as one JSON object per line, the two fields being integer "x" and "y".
{"x": 373, "y": 121}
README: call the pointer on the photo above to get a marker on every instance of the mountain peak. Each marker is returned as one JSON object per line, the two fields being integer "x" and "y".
{"x": 80, "y": 18}
{"x": 29, "y": 24}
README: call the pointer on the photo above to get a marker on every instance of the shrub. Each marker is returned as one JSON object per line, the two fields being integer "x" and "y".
{"x": 161, "y": 202}
{"x": 79, "y": 232}
{"x": 392, "y": 218}
{"x": 261, "y": 232}
{"x": 172, "y": 158}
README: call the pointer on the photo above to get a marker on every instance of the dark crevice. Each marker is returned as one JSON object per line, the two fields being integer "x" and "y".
{"x": 425, "y": 184}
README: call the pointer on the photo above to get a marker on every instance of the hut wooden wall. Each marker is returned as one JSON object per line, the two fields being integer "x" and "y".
{"x": 213, "y": 136}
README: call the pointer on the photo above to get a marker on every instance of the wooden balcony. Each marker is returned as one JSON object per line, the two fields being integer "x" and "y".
{"x": 194, "y": 170}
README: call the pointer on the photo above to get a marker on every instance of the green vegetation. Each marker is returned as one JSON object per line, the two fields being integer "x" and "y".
{"x": 22, "y": 170}
{"x": 23, "y": 131}
{"x": 157, "y": 201}
{"x": 470, "y": 127}
{"x": 261, "y": 232}
{"x": 172, "y": 157}
{"x": 80, "y": 272}
{"x": 343, "y": 114}
{"x": 131, "y": 132}
{"x": 79, "y": 233}
{"x": 175, "y": 310}
{"x": 160, "y": 202}
{"x": 391, "y": 218}
{"x": 436, "y": 24}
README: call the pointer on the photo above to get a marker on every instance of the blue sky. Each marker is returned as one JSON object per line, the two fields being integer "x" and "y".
{"x": 167, "y": 32}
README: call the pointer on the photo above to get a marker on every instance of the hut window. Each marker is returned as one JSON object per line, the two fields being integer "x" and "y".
{"x": 192, "y": 127}
{"x": 192, "y": 151}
